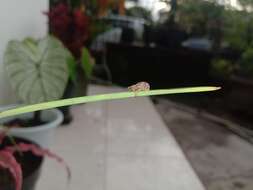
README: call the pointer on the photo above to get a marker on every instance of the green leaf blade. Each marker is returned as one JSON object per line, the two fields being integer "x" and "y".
{"x": 87, "y": 62}
{"x": 101, "y": 97}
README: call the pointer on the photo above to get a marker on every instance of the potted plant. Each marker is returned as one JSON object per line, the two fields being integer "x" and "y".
{"x": 20, "y": 163}
{"x": 138, "y": 90}
{"x": 70, "y": 24}
{"x": 38, "y": 72}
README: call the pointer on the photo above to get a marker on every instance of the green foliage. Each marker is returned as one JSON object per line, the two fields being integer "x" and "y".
{"x": 246, "y": 63}
{"x": 97, "y": 27}
{"x": 209, "y": 19}
{"x": 246, "y": 3}
{"x": 139, "y": 12}
{"x": 72, "y": 67}
{"x": 87, "y": 62}
{"x": 221, "y": 68}
{"x": 37, "y": 70}
{"x": 101, "y": 97}
{"x": 80, "y": 72}
{"x": 224, "y": 25}
{"x": 235, "y": 29}
{"x": 198, "y": 16}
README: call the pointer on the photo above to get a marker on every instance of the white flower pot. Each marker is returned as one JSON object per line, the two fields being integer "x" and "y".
{"x": 43, "y": 135}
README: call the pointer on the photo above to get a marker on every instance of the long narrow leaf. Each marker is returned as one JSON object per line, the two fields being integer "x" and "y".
{"x": 101, "y": 97}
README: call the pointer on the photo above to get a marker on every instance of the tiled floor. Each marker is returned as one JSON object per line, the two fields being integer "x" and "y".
{"x": 118, "y": 145}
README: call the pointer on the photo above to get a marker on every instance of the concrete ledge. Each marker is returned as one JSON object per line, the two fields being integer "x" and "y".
{"x": 119, "y": 145}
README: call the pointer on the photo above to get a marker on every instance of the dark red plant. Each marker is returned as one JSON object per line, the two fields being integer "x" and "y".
{"x": 8, "y": 161}
{"x": 37, "y": 151}
{"x": 103, "y": 3}
{"x": 70, "y": 26}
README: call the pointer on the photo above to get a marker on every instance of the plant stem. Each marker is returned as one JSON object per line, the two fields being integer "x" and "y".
{"x": 101, "y": 97}
{"x": 37, "y": 116}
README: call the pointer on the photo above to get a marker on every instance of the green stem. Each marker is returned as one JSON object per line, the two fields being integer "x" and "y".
{"x": 101, "y": 97}
{"x": 37, "y": 116}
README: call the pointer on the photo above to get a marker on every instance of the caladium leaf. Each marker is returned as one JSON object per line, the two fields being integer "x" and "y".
{"x": 37, "y": 70}
{"x": 23, "y": 147}
{"x": 8, "y": 161}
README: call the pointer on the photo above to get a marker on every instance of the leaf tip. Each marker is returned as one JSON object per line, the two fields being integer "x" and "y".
{"x": 217, "y": 88}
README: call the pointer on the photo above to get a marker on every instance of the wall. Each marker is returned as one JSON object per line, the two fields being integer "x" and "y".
{"x": 19, "y": 19}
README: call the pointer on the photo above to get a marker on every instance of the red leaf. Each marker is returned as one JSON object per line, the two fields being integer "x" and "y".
{"x": 8, "y": 161}
{"x": 69, "y": 25}
{"x": 39, "y": 152}
{"x": 103, "y": 3}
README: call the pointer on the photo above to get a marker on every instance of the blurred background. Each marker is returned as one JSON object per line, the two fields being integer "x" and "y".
{"x": 168, "y": 43}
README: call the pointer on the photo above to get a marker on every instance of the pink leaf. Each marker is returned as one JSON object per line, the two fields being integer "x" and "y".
{"x": 8, "y": 161}
{"x": 39, "y": 152}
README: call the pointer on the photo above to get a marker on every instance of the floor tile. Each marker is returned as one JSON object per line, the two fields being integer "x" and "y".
{"x": 86, "y": 132}
{"x": 149, "y": 173}
{"x": 128, "y": 138}
{"x": 134, "y": 127}
{"x": 88, "y": 172}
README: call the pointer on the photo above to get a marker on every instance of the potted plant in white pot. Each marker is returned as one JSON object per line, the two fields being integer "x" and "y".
{"x": 69, "y": 22}
{"x": 38, "y": 72}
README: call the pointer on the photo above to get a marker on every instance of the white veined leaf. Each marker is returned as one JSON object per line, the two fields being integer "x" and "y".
{"x": 37, "y": 71}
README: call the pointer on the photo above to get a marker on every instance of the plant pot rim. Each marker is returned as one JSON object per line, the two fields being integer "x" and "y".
{"x": 58, "y": 118}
